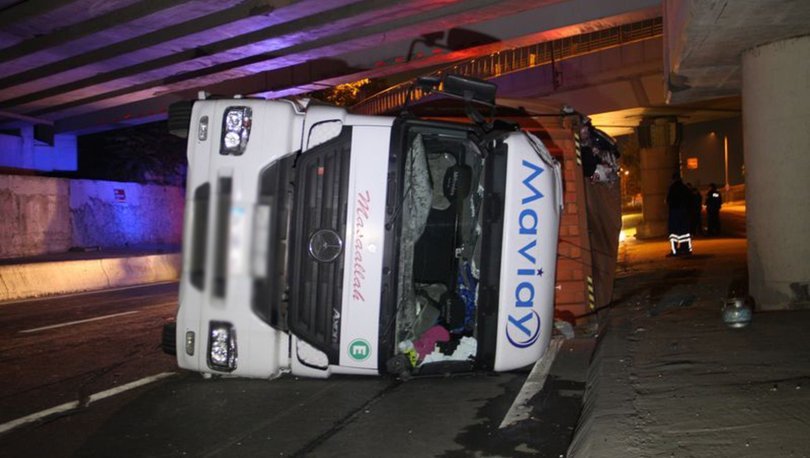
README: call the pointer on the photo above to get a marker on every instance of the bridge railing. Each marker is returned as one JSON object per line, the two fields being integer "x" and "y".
{"x": 517, "y": 59}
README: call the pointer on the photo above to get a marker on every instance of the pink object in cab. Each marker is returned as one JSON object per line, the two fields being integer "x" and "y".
{"x": 427, "y": 341}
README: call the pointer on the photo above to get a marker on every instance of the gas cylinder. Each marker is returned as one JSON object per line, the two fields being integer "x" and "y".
{"x": 737, "y": 312}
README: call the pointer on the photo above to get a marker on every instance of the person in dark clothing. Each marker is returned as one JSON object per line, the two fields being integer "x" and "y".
{"x": 679, "y": 199}
{"x": 695, "y": 205}
{"x": 713, "y": 203}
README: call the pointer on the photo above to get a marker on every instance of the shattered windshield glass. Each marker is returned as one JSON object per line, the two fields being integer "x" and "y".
{"x": 439, "y": 253}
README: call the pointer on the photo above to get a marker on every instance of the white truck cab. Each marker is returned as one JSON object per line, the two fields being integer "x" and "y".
{"x": 318, "y": 242}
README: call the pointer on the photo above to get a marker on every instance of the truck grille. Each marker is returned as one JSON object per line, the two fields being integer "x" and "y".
{"x": 223, "y": 209}
{"x": 272, "y": 218}
{"x": 319, "y": 221}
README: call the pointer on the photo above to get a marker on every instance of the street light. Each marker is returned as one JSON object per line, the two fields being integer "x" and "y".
{"x": 725, "y": 154}
{"x": 625, "y": 186}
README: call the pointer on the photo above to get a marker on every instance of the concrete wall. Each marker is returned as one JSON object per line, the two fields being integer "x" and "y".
{"x": 21, "y": 281}
{"x": 113, "y": 214}
{"x": 34, "y": 216}
{"x": 50, "y": 215}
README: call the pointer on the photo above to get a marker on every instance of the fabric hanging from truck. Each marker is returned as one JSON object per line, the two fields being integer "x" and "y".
{"x": 600, "y": 158}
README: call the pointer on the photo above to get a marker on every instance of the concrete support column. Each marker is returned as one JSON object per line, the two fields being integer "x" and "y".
{"x": 776, "y": 117}
{"x": 24, "y": 152}
{"x": 659, "y": 160}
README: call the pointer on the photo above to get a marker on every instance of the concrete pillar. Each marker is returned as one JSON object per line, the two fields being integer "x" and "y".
{"x": 776, "y": 116}
{"x": 659, "y": 160}
{"x": 23, "y": 152}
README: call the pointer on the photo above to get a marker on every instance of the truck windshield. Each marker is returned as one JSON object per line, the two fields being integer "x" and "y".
{"x": 439, "y": 255}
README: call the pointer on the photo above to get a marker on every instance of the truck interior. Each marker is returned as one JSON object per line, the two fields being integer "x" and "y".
{"x": 439, "y": 254}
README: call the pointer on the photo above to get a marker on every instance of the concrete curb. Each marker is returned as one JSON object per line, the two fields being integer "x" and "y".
{"x": 23, "y": 281}
{"x": 607, "y": 405}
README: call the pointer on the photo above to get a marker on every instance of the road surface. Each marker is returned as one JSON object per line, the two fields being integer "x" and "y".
{"x": 65, "y": 351}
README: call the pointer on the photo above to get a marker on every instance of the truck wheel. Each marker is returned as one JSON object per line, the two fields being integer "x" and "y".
{"x": 399, "y": 366}
{"x": 168, "y": 342}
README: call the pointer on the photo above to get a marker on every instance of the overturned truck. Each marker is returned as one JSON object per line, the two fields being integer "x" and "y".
{"x": 318, "y": 242}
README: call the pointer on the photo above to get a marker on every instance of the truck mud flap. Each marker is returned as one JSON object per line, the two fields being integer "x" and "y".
{"x": 168, "y": 341}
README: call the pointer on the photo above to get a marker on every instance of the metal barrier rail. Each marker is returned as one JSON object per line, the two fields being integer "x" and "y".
{"x": 517, "y": 59}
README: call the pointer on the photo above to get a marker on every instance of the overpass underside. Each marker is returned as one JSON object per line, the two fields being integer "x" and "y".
{"x": 85, "y": 66}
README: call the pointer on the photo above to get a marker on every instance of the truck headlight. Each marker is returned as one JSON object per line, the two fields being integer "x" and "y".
{"x": 236, "y": 130}
{"x": 221, "y": 346}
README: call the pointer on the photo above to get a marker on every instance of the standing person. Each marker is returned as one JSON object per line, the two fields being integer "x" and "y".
{"x": 679, "y": 200}
{"x": 713, "y": 203}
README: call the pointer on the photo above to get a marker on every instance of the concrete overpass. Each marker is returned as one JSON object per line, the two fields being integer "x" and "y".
{"x": 86, "y": 66}
{"x": 81, "y": 66}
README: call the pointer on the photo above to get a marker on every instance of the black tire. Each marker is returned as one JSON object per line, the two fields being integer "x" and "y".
{"x": 169, "y": 339}
{"x": 399, "y": 366}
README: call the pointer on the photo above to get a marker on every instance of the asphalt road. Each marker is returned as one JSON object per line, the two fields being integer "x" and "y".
{"x": 45, "y": 367}
{"x": 186, "y": 415}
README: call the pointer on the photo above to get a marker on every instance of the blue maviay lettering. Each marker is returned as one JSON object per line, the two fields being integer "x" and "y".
{"x": 520, "y": 324}
{"x": 536, "y": 194}
{"x": 526, "y": 330}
